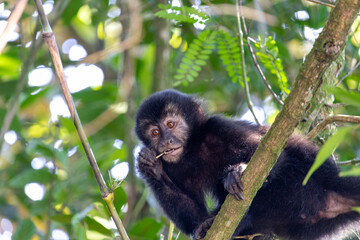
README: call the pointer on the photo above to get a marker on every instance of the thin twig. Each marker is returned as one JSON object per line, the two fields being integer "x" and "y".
{"x": 49, "y": 37}
{"x": 160, "y": 155}
{"x": 253, "y": 57}
{"x": 348, "y": 73}
{"x": 243, "y": 67}
{"x": 224, "y": 9}
{"x": 337, "y": 118}
{"x": 35, "y": 46}
{"x": 12, "y": 22}
{"x": 349, "y": 162}
{"x": 171, "y": 230}
{"x": 322, "y": 3}
{"x": 128, "y": 43}
{"x": 249, "y": 237}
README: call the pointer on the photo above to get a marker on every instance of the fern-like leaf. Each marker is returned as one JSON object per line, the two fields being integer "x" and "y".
{"x": 268, "y": 56}
{"x": 181, "y": 14}
{"x": 229, "y": 51}
{"x": 195, "y": 57}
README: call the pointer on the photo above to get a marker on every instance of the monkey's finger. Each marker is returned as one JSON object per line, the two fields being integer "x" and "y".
{"x": 237, "y": 193}
{"x": 231, "y": 189}
{"x": 156, "y": 173}
{"x": 145, "y": 163}
{"x": 145, "y": 159}
{"x": 237, "y": 176}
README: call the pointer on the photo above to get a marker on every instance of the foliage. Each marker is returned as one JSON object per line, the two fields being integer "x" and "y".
{"x": 195, "y": 57}
{"x": 181, "y": 14}
{"x": 46, "y": 150}
{"x": 229, "y": 51}
{"x": 268, "y": 55}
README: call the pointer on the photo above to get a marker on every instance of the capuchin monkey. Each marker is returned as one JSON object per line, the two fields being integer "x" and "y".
{"x": 188, "y": 153}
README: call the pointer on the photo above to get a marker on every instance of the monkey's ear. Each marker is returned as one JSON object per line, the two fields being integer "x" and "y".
{"x": 201, "y": 105}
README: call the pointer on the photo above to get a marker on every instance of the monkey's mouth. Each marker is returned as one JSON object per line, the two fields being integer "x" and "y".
{"x": 172, "y": 150}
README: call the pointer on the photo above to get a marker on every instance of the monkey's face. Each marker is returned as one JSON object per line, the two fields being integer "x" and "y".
{"x": 169, "y": 136}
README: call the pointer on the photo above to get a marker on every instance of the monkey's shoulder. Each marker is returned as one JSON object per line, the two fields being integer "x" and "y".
{"x": 231, "y": 128}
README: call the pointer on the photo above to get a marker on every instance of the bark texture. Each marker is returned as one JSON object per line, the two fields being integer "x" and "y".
{"x": 326, "y": 49}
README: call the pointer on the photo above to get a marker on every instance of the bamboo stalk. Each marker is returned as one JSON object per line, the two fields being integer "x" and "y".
{"x": 106, "y": 194}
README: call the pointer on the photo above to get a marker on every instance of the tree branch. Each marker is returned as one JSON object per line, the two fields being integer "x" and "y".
{"x": 12, "y": 21}
{"x": 326, "y": 49}
{"x": 337, "y": 118}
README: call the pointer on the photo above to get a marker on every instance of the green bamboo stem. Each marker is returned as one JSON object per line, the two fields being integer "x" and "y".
{"x": 107, "y": 195}
{"x": 171, "y": 230}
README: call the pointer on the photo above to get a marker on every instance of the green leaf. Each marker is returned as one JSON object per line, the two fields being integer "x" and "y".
{"x": 70, "y": 12}
{"x": 62, "y": 218}
{"x": 327, "y": 149}
{"x": 7, "y": 88}
{"x": 192, "y": 51}
{"x": 198, "y": 42}
{"x": 190, "y": 56}
{"x": 203, "y": 57}
{"x": 184, "y": 66}
{"x": 355, "y": 171}
{"x": 194, "y": 73}
{"x": 200, "y": 62}
{"x": 196, "y": 68}
{"x": 356, "y": 209}
{"x": 25, "y": 230}
{"x": 79, "y": 231}
{"x": 9, "y": 67}
{"x": 347, "y": 97}
{"x": 146, "y": 228}
{"x": 120, "y": 198}
{"x": 41, "y": 148}
{"x": 162, "y": 6}
{"x": 179, "y": 76}
{"x": 189, "y": 78}
{"x": 40, "y": 176}
{"x": 187, "y": 60}
{"x": 94, "y": 225}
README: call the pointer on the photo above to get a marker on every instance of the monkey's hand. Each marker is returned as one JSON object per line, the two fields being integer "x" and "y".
{"x": 202, "y": 229}
{"x": 232, "y": 180}
{"x": 148, "y": 164}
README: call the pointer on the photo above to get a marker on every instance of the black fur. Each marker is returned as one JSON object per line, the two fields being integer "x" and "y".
{"x": 210, "y": 162}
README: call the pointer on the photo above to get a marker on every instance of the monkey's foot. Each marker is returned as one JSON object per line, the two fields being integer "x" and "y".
{"x": 232, "y": 180}
{"x": 201, "y": 230}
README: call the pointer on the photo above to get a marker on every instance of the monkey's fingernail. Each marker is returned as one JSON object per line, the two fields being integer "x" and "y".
{"x": 241, "y": 197}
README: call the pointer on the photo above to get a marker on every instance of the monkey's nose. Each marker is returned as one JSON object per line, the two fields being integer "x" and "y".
{"x": 170, "y": 141}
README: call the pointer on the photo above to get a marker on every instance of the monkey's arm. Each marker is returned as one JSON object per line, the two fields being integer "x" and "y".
{"x": 186, "y": 212}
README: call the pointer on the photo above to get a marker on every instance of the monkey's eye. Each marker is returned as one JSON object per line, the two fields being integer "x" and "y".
{"x": 155, "y": 132}
{"x": 171, "y": 124}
